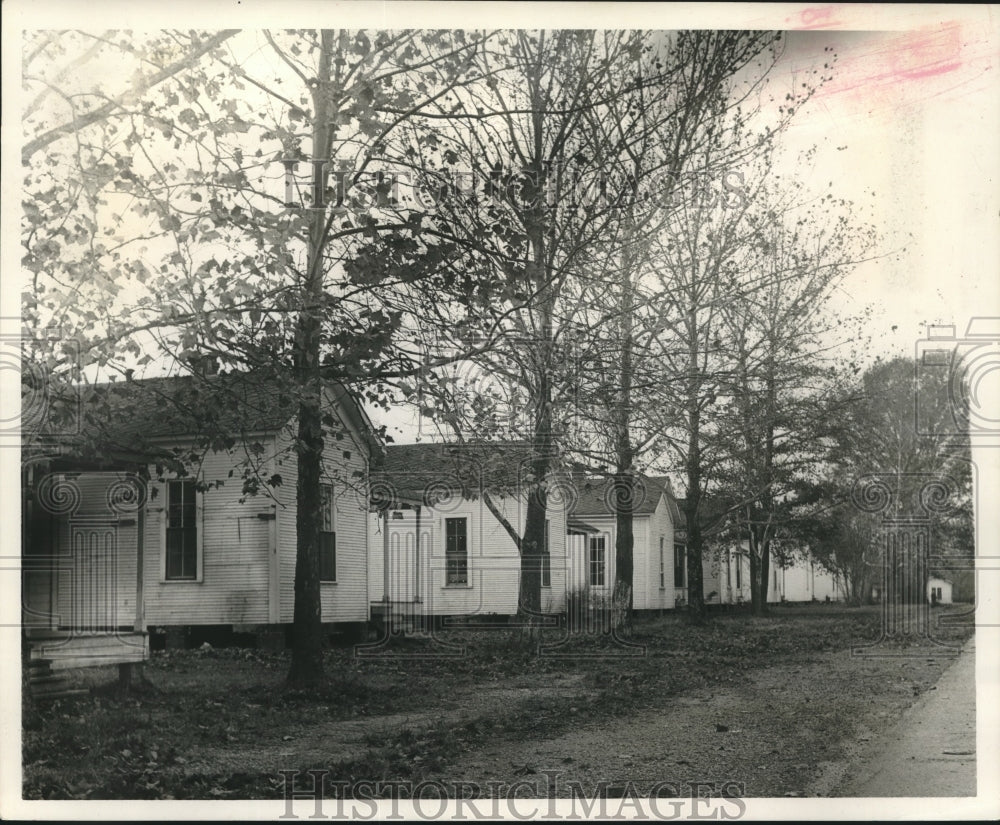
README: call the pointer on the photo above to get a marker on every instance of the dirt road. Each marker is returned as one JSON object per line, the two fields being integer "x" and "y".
{"x": 931, "y": 751}
{"x": 793, "y": 730}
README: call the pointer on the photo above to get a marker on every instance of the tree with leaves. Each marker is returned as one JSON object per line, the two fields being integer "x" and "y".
{"x": 899, "y": 428}
{"x": 515, "y": 168}
{"x": 779, "y": 399}
{"x": 170, "y": 228}
{"x": 659, "y": 140}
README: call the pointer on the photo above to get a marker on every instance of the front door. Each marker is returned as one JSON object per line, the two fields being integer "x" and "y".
{"x": 403, "y": 557}
{"x": 96, "y": 546}
{"x": 93, "y": 582}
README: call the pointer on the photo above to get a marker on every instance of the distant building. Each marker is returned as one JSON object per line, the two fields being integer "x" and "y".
{"x": 939, "y": 591}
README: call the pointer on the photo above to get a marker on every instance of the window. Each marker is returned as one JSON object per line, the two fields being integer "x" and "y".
{"x": 739, "y": 572}
{"x": 663, "y": 572}
{"x": 680, "y": 565}
{"x": 328, "y": 535}
{"x": 182, "y": 532}
{"x": 546, "y": 560}
{"x": 597, "y": 546}
{"x": 456, "y": 551}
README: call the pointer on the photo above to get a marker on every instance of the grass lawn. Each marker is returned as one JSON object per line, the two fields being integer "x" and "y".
{"x": 219, "y": 723}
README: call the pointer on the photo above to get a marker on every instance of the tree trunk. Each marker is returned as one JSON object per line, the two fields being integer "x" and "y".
{"x": 696, "y": 589}
{"x": 530, "y": 588}
{"x": 765, "y": 571}
{"x": 308, "y": 642}
{"x": 754, "y": 574}
{"x": 624, "y": 486}
{"x": 624, "y": 481}
{"x": 542, "y": 437}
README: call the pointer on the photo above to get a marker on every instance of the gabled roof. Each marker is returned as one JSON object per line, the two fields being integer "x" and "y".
{"x": 712, "y": 511}
{"x": 596, "y": 496}
{"x": 132, "y": 417}
{"x": 428, "y": 471}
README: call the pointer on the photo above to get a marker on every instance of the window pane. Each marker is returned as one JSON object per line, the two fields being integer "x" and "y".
{"x": 190, "y": 563}
{"x": 327, "y": 504}
{"x": 175, "y": 554}
{"x": 328, "y": 557}
{"x": 663, "y": 582}
{"x": 597, "y": 562}
{"x": 182, "y": 530}
{"x": 182, "y": 553}
{"x": 456, "y": 552}
{"x": 180, "y": 503}
{"x": 175, "y": 504}
{"x": 546, "y": 563}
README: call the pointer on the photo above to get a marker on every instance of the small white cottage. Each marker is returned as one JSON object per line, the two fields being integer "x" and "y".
{"x": 117, "y": 543}
{"x": 939, "y": 591}
{"x": 658, "y": 564}
{"x": 436, "y": 548}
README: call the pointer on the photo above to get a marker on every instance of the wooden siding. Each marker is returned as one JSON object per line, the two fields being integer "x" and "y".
{"x": 493, "y": 559}
{"x": 646, "y": 533}
{"x": 247, "y": 549}
{"x": 235, "y": 553}
{"x": 719, "y": 580}
{"x": 933, "y": 582}
{"x": 660, "y": 526}
{"x": 803, "y": 581}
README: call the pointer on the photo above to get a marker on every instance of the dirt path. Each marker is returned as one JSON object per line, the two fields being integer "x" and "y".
{"x": 327, "y": 742}
{"x": 931, "y": 751}
{"x": 781, "y": 733}
{"x": 787, "y": 730}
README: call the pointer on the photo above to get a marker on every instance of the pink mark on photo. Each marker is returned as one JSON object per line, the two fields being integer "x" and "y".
{"x": 816, "y": 17}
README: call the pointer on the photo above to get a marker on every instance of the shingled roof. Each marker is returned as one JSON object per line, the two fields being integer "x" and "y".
{"x": 433, "y": 470}
{"x": 596, "y": 496}
{"x": 132, "y": 416}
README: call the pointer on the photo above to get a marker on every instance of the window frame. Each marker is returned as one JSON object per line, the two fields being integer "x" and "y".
{"x": 663, "y": 568}
{"x": 680, "y": 564}
{"x": 197, "y": 528}
{"x": 602, "y": 564}
{"x": 449, "y": 553}
{"x": 546, "y": 562}
{"x": 328, "y": 518}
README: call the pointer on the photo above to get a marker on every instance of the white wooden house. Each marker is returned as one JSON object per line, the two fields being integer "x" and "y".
{"x": 114, "y": 548}
{"x": 437, "y": 549}
{"x": 726, "y": 578}
{"x": 655, "y": 560}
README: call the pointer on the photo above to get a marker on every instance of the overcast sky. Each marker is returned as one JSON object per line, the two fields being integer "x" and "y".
{"x": 907, "y": 127}
{"x": 912, "y": 117}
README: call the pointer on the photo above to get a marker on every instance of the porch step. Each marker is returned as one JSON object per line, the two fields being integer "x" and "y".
{"x": 64, "y": 693}
{"x": 45, "y": 685}
{"x": 77, "y": 650}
